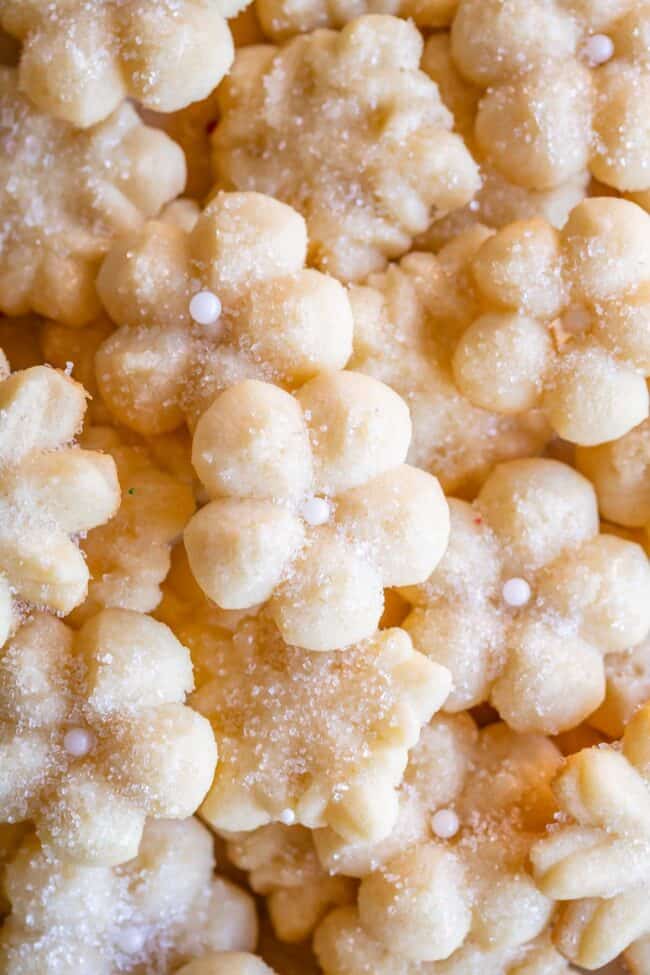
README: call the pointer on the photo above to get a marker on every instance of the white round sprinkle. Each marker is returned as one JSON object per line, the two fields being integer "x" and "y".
{"x": 316, "y": 511}
{"x": 598, "y": 48}
{"x": 516, "y": 592}
{"x": 205, "y": 308}
{"x": 287, "y": 817}
{"x": 131, "y": 940}
{"x": 445, "y": 823}
{"x": 78, "y": 742}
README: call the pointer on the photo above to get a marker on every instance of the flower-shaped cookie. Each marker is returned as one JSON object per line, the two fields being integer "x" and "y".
{"x": 499, "y": 200}
{"x": 543, "y": 595}
{"x": 95, "y": 735}
{"x": 64, "y": 196}
{"x": 203, "y": 308}
{"x": 599, "y": 860}
{"x": 620, "y": 473}
{"x": 49, "y": 492}
{"x": 145, "y": 917}
{"x": 457, "y": 875}
{"x": 314, "y": 510}
{"x": 282, "y": 865}
{"x": 566, "y": 86}
{"x": 344, "y": 948}
{"x": 345, "y": 127}
{"x": 281, "y": 19}
{"x": 130, "y": 556}
{"x": 563, "y": 321}
{"x": 628, "y": 689}
{"x": 437, "y": 769}
{"x": 80, "y": 61}
{"x": 317, "y": 739}
{"x": 403, "y": 320}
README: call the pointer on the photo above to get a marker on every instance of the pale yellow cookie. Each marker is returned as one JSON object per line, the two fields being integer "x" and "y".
{"x": 499, "y": 201}
{"x": 529, "y": 598}
{"x": 79, "y": 61}
{"x": 459, "y": 877}
{"x": 204, "y": 307}
{"x": 597, "y": 858}
{"x": 95, "y": 735}
{"x": 74, "y": 350}
{"x": 437, "y": 769}
{"x": 190, "y": 128}
{"x": 320, "y": 739}
{"x": 282, "y": 865}
{"x": 312, "y": 508}
{"x": 281, "y": 19}
{"x": 562, "y": 322}
{"x": 130, "y": 556}
{"x": 346, "y": 128}
{"x": 343, "y": 948}
{"x": 227, "y": 963}
{"x": 628, "y": 689}
{"x": 148, "y": 916}
{"x": 50, "y": 492}
{"x": 65, "y": 195}
{"x": 565, "y": 85}
{"x": 620, "y": 473}
{"x": 404, "y": 322}
{"x": 195, "y": 620}
{"x": 637, "y": 957}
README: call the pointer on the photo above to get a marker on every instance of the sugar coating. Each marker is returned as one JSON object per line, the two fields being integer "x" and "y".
{"x": 344, "y": 127}
{"x": 281, "y": 19}
{"x": 499, "y": 200}
{"x": 628, "y": 689}
{"x": 264, "y": 456}
{"x": 433, "y": 779}
{"x": 541, "y": 664}
{"x": 326, "y": 735}
{"x": 282, "y": 865}
{"x": 130, "y": 556}
{"x": 433, "y": 899}
{"x": 63, "y": 346}
{"x": 50, "y": 492}
{"x": 121, "y": 680}
{"x": 145, "y": 917}
{"x": 64, "y": 196}
{"x": 562, "y": 322}
{"x": 620, "y": 473}
{"x": 405, "y": 321}
{"x": 278, "y": 321}
{"x": 81, "y": 59}
{"x": 597, "y": 858}
{"x": 563, "y": 87}
{"x": 422, "y": 899}
{"x": 343, "y": 948}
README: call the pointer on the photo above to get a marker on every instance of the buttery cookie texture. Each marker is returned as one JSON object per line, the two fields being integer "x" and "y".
{"x": 65, "y": 194}
{"x": 324, "y": 487}
{"x": 80, "y": 60}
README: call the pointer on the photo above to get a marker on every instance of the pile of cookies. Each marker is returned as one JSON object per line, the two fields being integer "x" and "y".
{"x": 324, "y": 487}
